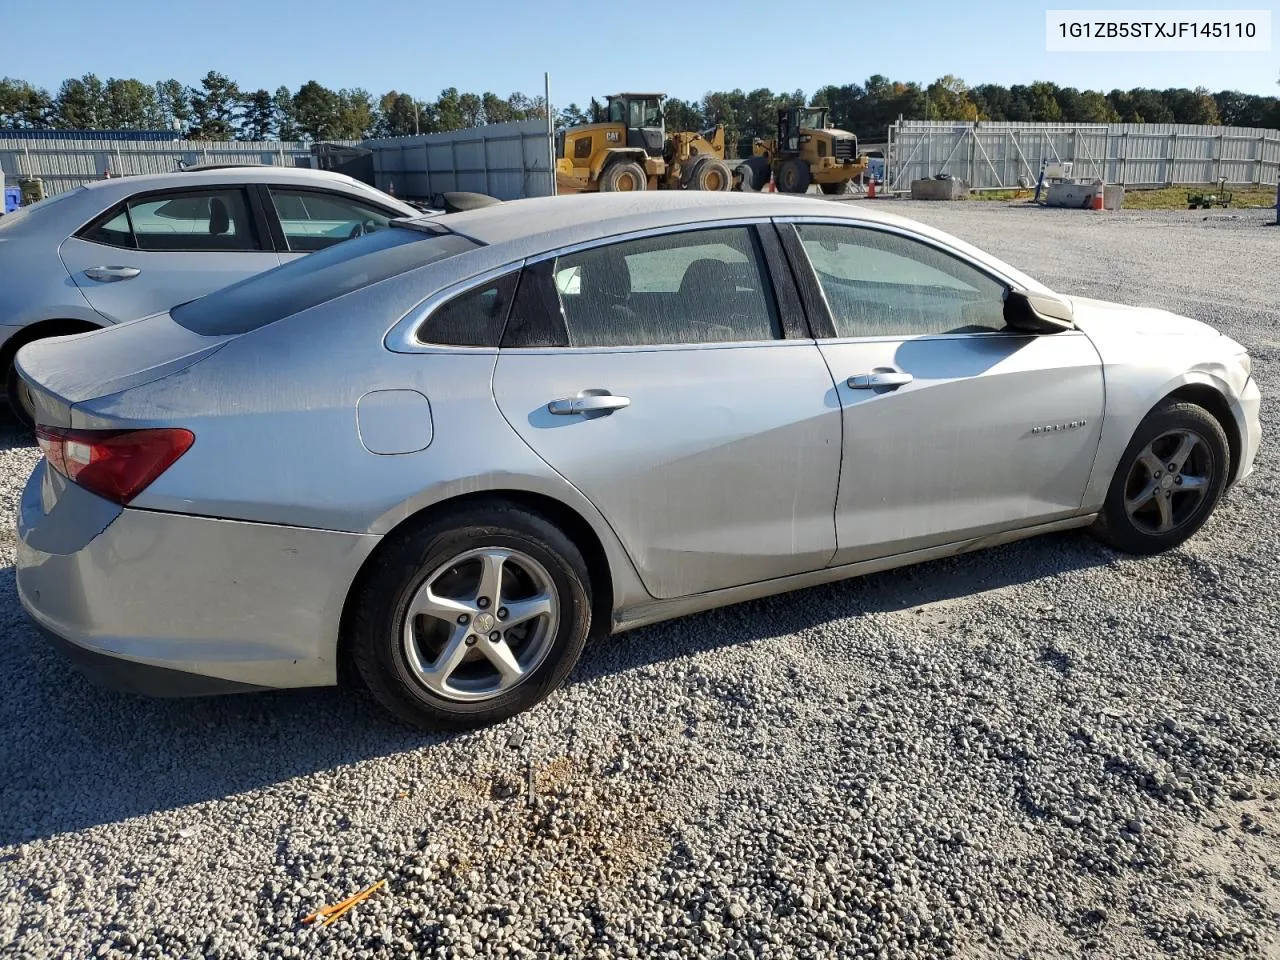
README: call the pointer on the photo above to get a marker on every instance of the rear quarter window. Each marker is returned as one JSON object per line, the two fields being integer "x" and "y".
{"x": 318, "y": 278}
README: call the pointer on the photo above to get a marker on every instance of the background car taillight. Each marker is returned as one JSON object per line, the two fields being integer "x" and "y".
{"x": 115, "y": 464}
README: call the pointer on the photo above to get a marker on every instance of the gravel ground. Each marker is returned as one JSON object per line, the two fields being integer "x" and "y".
{"x": 1045, "y": 750}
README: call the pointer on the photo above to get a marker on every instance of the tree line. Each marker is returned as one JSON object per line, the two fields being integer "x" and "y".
{"x": 218, "y": 109}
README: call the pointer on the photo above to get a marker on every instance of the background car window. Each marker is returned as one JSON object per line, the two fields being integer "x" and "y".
{"x": 474, "y": 318}
{"x": 114, "y": 231}
{"x": 201, "y": 220}
{"x": 312, "y": 220}
{"x": 705, "y": 286}
{"x": 883, "y": 284}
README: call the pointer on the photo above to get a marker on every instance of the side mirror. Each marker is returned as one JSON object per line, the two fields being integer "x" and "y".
{"x": 1037, "y": 312}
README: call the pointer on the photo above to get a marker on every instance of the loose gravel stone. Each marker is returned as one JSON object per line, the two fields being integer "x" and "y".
{"x": 1044, "y": 750}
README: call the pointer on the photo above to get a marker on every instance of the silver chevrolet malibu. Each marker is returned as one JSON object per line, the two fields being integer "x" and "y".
{"x": 448, "y": 451}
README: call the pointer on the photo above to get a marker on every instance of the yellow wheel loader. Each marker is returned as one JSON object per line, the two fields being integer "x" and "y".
{"x": 805, "y": 151}
{"x": 633, "y": 151}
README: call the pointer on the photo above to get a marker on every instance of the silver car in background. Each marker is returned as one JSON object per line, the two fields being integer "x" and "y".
{"x": 449, "y": 450}
{"x": 120, "y": 249}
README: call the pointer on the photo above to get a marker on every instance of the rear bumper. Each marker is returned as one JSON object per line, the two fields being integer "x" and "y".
{"x": 174, "y": 605}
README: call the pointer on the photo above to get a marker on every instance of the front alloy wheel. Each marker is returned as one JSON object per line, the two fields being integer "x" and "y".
{"x": 1168, "y": 481}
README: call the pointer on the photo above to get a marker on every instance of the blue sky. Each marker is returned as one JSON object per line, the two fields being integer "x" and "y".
{"x": 684, "y": 50}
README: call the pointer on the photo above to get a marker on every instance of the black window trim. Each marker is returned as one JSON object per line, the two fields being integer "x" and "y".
{"x": 403, "y": 336}
{"x": 756, "y": 227}
{"x": 819, "y": 311}
{"x": 271, "y": 218}
{"x": 257, "y": 225}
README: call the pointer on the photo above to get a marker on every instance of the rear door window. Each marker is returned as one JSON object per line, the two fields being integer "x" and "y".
{"x": 703, "y": 286}
{"x": 309, "y": 281}
{"x": 315, "y": 219}
{"x": 202, "y": 220}
{"x": 198, "y": 221}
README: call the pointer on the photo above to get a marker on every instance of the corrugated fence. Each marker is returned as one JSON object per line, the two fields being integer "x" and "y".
{"x": 65, "y": 164}
{"x": 993, "y": 155}
{"x": 504, "y": 160}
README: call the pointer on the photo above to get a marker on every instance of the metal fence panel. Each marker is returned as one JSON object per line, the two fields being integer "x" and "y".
{"x": 504, "y": 160}
{"x": 996, "y": 155}
{"x": 66, "y": 163}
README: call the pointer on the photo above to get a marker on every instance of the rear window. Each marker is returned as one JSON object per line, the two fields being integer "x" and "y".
{"x": 315, "y": 279}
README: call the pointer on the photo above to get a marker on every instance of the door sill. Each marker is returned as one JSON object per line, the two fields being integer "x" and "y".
{"x": 643, "y": 614}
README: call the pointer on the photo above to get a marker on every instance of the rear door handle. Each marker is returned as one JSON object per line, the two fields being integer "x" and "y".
{"x": 111, "y": 274}
{"x": 588, "y": 402}
{"x": 891, "y": 379}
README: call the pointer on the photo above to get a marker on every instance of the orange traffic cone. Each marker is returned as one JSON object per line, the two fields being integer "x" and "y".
{"x": 106, "y": 174}
{"x": 1097, "y": 200}
{"x": 871, "y": 189}
{"x": 772, "y": 187}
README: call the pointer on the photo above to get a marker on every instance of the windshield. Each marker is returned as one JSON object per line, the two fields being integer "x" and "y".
{"x": 11, "y": 220}
{"x": 315, "y": 279}
{"x": 812, "y": 119}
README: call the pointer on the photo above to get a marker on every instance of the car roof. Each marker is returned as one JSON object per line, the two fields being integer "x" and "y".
{"x": 524, "y": 228}
{"x": 223, "y": 173}
{"x": 98, "y": 195}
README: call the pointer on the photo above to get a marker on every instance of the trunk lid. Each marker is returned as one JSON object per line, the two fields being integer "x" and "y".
{"x": 61, "y": 372}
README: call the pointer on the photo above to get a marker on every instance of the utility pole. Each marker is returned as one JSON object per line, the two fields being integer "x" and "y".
{"x": 551, "y": 133}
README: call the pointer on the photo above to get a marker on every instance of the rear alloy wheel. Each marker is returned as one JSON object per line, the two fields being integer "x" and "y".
{"x": 623, "y": 177}
{"x": 471, "y": 620}
{"x": 1168, "y": 481}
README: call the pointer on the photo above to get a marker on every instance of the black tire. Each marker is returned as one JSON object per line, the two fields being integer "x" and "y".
{"x": 835, "y": 189}
{"x": 1143, "y": 479}
{"x": 623, "y": 176}
{"x": 376, "y": 626}
{"x": 755, "y": 174}
{"x": 19, "y": 398}
{"x": 793, "y": 176}
{"x": 711, "y": 174}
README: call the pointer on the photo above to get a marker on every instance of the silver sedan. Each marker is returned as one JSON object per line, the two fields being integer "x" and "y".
{"x": 124, "y": 248}
{"x": 449, "y": 451}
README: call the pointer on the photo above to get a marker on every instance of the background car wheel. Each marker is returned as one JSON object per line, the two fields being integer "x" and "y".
{"x": 20, "y": 404}
{"x": 1168, "y": 482}
{"x": 471, "y": 619}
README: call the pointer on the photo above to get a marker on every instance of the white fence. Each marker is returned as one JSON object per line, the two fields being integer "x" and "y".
{"x": 66, "y": 164}
{"x": 991, "y": 155}
{"x": 504, "y": 160}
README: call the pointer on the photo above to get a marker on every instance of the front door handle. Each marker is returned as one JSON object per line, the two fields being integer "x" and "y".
{"x": 588, "y": 403}
{"x": 111, "y": 274}
{"x": 876, "y": 379}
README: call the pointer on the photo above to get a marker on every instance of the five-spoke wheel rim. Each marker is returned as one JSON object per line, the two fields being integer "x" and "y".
{"x": 480, "y": 624}
{"x": 1168, "y": 481}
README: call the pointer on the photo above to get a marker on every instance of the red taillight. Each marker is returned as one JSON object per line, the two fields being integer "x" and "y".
{"x": 115, "y": 464}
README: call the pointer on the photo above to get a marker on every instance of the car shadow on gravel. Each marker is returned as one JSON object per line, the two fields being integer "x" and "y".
{"x": 75, "y": 756}
{"x": 906, "y": 588}
{"x": 13, "y": 434}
